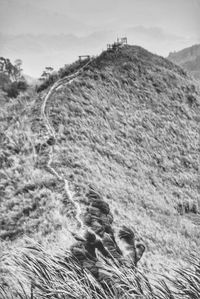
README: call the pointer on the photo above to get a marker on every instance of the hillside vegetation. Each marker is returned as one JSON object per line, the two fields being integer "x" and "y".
{"x": 128, "y": 125}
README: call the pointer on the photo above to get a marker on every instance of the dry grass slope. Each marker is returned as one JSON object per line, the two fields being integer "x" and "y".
{"x": 129, "y": 124}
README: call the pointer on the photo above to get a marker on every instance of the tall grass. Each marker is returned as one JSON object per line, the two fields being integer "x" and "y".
{"x": 31, "y": 272}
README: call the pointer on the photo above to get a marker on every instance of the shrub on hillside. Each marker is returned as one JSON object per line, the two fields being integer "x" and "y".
{"x": 49, "y": 81}
{"x": 71, "y": 69}
{"x": 4, "y": 80}
{"x": 13, "y": 89}
{"x": 67, "y": 70}
{"x": 22, "y": 85}
{"x": 187, "y": 207}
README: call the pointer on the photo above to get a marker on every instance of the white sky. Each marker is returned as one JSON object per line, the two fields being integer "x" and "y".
{"x": 181, "y": 17}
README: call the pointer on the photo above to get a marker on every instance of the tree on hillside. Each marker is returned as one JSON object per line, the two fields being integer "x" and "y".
{"x": 15, "y": 81}
{"x": 46, "y": 73}
{"x": 18, "y": 69}
{"x": 1, "y": 64}
{"x": 14, "y": 71}
{"x": 49, "y": 69}
{"x": 7, "y": 67}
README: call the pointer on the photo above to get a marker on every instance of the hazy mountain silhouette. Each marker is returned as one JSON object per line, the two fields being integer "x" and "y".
{"x": 189, "y": 59}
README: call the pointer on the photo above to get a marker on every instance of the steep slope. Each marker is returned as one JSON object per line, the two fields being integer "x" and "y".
{"x": 129, "y": 125}
{"x": 189, "y": 59}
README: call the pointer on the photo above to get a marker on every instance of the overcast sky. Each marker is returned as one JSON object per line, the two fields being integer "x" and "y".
{"x": 161, "y": 26}
{"x": 181, "y": 17}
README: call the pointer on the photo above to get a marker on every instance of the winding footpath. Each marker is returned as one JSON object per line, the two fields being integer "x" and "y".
{"x": 52, "y": 134}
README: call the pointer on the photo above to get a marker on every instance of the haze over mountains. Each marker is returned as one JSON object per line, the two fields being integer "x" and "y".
{"x": 44, "y": 33}
{"x": 38, "y": 51}
{"x": 189, "y": 59}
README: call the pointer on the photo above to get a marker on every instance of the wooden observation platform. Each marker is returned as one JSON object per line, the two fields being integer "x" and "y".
{"x": 119, "y": 43}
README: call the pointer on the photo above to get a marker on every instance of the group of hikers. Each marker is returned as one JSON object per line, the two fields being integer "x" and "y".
{"x": 99, "y": 239}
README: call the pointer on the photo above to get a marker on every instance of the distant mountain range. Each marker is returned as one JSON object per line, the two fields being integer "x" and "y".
{"x": 189, "y": 59}
{"x": 40, "y": 50}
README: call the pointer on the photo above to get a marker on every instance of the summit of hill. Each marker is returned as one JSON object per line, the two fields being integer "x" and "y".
{"x": 128, "y": 124}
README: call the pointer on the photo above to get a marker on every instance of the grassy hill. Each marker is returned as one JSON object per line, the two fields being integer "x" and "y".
{"x": 128, "y": 125}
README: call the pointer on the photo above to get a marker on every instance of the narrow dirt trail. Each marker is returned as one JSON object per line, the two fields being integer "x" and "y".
{"x": 52, "y": 133}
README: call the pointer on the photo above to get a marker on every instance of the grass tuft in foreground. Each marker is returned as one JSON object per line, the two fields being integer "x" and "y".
{"x": 31, "y": 272}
